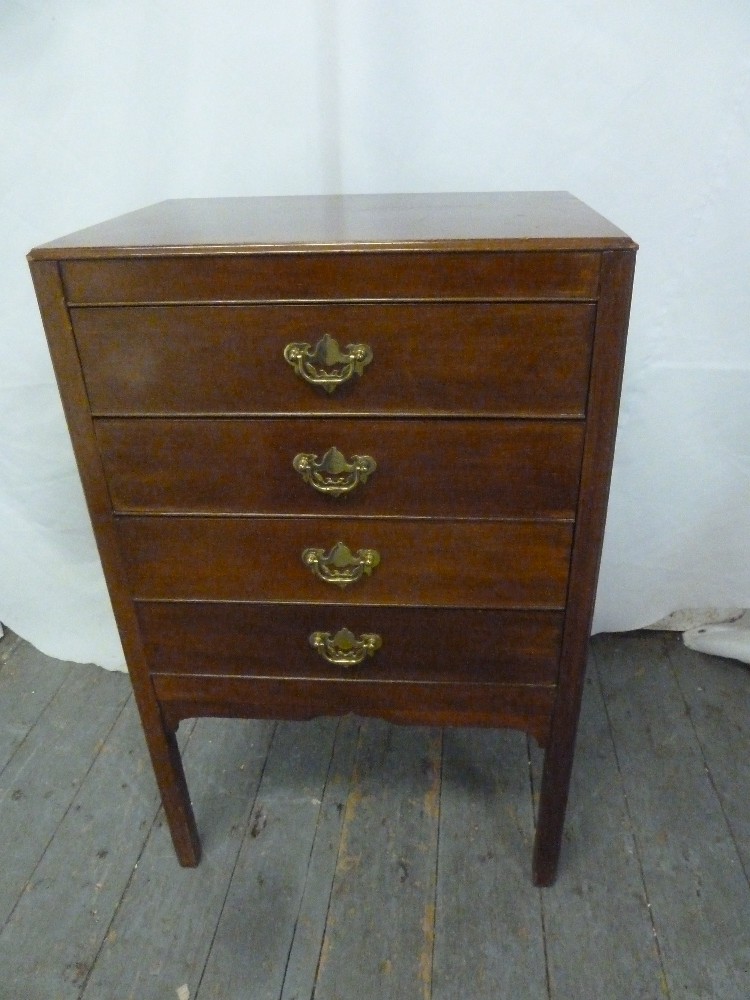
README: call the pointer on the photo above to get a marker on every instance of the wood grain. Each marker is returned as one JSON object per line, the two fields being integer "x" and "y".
{"x": 498, "y": 324}
{"x": 649, "y": 902}
{"x": 452, "y": 645}
{"x": 225, "y": 559}
{"x": 601, "y": 429}
{"x": 343, "y": 275}
{"x": 493, "y": 220}
{"x": 63, "y": 743}
{"x": 690, "y": 861}
{"x": 482, "y": 359}
{"x": 515, "y": 706}
{"x": 164, "y": 924}
{"x": 462, "y": 468}
{"x": 489, "y": 929}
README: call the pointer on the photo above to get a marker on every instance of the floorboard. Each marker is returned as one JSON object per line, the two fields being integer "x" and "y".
{"x": 599, "y": 937}
{"x": 256, "y": 927}
{"x": 350, "y": 859}
{"x": 28, "y": 682}
{"x": 692, "y": 872}
{"x": 378, "y": 940}
{"x": 304, "y": 957}
{"x": 489, "y": 935}
{"x": 718, "y": 703}
{"x": 78, "y": 884}
{"x": 168, "y": 915}
{"x": 43, "y": 776}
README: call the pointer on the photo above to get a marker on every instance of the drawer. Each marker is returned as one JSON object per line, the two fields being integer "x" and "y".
{"x": 523, "y": 359}
{"x": 418, "y": 644}
{"x": 463, "y": 563}
{"x": 447, "y": 468}
{"x": 236, "y": 277}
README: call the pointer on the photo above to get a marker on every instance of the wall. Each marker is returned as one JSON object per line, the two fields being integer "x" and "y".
{"x": 641, "y": 109}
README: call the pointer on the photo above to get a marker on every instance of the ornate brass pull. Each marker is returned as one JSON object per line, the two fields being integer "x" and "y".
{"x": 326, "y": 364}
{"x": 332, "y": 474}
{"x": 344, "y": 649}
{"x": 341, "y": 566}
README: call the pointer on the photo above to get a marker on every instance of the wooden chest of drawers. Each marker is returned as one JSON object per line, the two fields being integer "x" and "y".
{"x": 347, "y": 455}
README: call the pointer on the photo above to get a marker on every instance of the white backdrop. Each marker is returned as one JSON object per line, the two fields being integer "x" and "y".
{"x": 641, "y": 109}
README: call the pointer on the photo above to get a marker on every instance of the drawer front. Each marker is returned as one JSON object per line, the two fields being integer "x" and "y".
{"x": 519, "y": 706}
{"x": 524, "y": 359}
{"x": 438, "y": 468}
{"x": 520, "y": 564}
{"x": 332, "y": 275}
{"x": 416, "y": 644}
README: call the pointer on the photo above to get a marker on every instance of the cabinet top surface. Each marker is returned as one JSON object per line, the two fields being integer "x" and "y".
{"x": 494, "y": 221}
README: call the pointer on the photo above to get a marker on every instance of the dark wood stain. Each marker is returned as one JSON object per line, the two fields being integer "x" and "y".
{"x": 451, "y": 645}
{"x": 452, "y": 563}
{"x": 462, "y": 468}
{"x": 523, "y": 298}
{"x": 494, "y": 359}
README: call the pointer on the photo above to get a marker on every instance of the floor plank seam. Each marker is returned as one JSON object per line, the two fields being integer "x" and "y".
{"x": 13, "y": 642}
{"x": 30, "y": 731}
{"x": 540, "y": 892}
{"x": 352, "y": 781}
{"x": 437, "y": 864}
{"x": 631, "y": 824}
{"x": 236, "y": 862}
{"x": 618, "y": 939}
{"x": 706, "y": 766}
{"x": 61, "y": 820}
{"x": 146, "y": 837}
{"x": 543, "y": 920}
{"x": 309, "y": 858}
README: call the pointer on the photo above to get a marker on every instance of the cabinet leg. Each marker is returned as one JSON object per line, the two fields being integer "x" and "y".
{"x": 553, "y": 799}
{"x": 170, "y": 778}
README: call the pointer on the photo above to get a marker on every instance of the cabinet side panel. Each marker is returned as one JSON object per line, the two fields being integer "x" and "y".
{"x": 75, "y": 404}
{"x": 601, "y": 429}
{"x": 598, "y": 452}
{"x": 161, "y": 743}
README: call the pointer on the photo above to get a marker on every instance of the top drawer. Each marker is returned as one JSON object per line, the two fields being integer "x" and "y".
{"x": 333, "y": 275}
{"x": 489, "y": 359}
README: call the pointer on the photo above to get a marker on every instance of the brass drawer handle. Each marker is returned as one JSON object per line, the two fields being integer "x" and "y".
{"x": 344, "y": 649}
{"x": 332, "y": 474}
{"x": 341, "y": 566}
{"x": 326, "y": 365}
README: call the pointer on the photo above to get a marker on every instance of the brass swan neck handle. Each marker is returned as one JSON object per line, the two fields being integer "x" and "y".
{"x": 344, "y": 649}
{"x": 333, "y": 474}
{"x": 341, "y": 566}
{"x": 327, "y": 365}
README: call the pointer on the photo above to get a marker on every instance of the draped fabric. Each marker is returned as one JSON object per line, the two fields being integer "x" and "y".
{"x": 640, "y": 109}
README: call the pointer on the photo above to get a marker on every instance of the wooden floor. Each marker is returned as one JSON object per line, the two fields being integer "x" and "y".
{"x": 360, "y": 861}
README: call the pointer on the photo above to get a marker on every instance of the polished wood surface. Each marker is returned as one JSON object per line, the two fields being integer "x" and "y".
{"x": 517, "y": 706}
{"x": 283, "y": 276}
{"x": 601, "y": 428}
{"x": 501, "y": 564}
{"x": 497, "y": 220}
{"x": 481, "y": 359}
{"x": 449, "y": 645}
{"x": 497, "y": 327}
{"x": 461, "y": 468}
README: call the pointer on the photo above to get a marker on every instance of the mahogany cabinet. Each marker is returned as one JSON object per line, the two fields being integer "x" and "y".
{"x": 347, "y": 454}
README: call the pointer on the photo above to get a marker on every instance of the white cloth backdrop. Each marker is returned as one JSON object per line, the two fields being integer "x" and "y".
{"x": 641, "y": 109}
